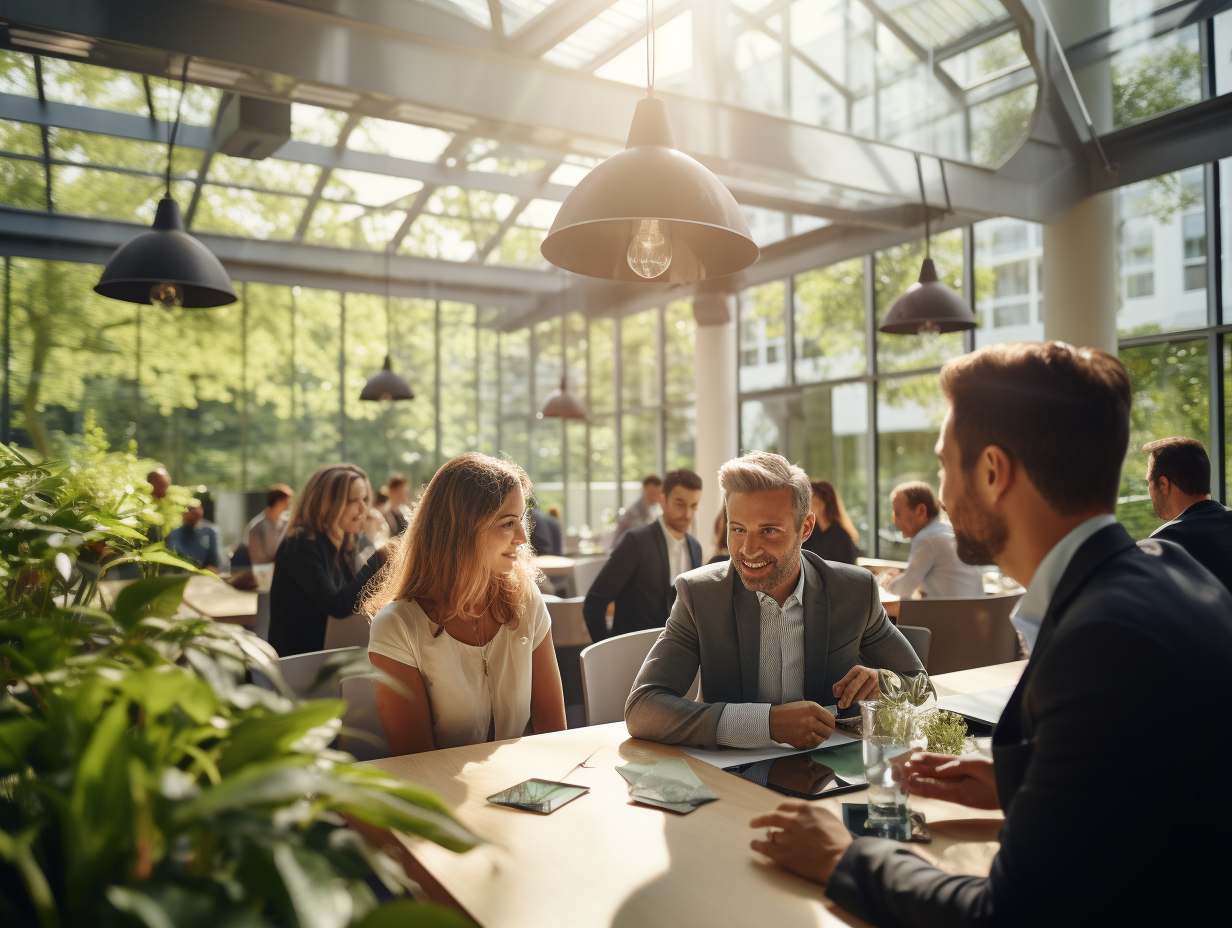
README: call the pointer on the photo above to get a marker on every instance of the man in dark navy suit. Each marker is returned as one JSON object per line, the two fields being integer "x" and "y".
{"x": 1178, "y": 477}
{"x": 641, "y": 573}
{"x": 1123, "y": 635}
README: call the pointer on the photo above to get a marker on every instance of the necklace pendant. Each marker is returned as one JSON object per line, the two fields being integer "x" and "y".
{"x": 485, "y": 666}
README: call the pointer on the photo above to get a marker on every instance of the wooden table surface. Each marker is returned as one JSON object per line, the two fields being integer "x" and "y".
{"x": 206, "y": 596}
{"x": 605, "y": 861}
{"x": 553, "y": 565}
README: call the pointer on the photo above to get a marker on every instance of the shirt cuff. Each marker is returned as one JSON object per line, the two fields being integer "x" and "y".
{"x": 744, "y": 725}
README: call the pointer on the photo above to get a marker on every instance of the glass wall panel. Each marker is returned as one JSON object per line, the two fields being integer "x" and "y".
{"x": 763, "y": 425}
{"x": 679, "y": 338}
{"x": 602, "y": 383}
{"x": 604, "y": 500}
{"x": 489, "y": 385}
{"x": 1171, "y": 397}
{"x": 639, "y": 440}
{"x": 515, "y": 402}
{"x": 763, "y": 337}
{"x": 898, "y": 268}
{"x": 414, "y": 358}
{"x": 1225, "y": 216}
{"x": 369, "y": 425}
{"x": 829, "y": 323}
{"x": 546, "y": 464}
{"x": 1161, "y": 237}
{"x": 459, "y": 380}
{"x": 909, "y": 415}
{"x": 1009, "y": 281}
{"x": 680, "y": 424}
{"x": 639, "y": 359}
{"x": 829, "y": 439}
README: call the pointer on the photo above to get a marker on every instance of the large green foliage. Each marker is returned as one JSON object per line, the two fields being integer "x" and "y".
{"x": 143, "y": 782}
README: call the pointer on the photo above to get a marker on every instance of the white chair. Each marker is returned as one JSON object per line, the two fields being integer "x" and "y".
{"x": 609, "y": 669}
{"x": 350, "y": 632}
{"x": 568, "y": 625}
{"x": 300, "y": 671}
{"x": 584, "y": 572}
{"x": 366, "y": 736}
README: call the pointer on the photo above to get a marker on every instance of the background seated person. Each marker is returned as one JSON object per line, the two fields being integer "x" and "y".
{"x": 777, "y": 633}
{"x": 641, "y": 511}
{"x": 1178, "y": 477}
{"x": 263, "y": 534}
{"x": 640, "y": 573}
{"x": 197, "y": 542}
{"x": 933, "y": 567}
{"x": 461, "y": 625}
{"x": 834, "y": 537}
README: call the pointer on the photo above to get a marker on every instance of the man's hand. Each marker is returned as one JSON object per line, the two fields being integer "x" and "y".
{"x": 810, "y": 843}
{"x": 966, "y": 780}
{"x": 859, "y": 683}
{"x": 801, "y": 724}
{"x": 887, "y": 575}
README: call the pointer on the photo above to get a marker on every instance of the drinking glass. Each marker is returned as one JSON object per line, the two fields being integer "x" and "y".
{"x": 889, "y": 733}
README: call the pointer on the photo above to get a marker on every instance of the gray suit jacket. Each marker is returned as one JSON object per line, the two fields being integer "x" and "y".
{"x": 716, "y": 622}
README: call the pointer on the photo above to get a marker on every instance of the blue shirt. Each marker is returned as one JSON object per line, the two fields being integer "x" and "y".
{"x": 197, "y": 543}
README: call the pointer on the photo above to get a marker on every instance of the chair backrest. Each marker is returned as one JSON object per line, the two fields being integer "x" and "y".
{"x": 301, "y": 670}
{"x": 262, "y": 624}
{"x": 350, "y": 632}
{"x": 608, "y": 671}
{"x": 568, "y": 625}
{"x": 919, "y": 639}
{"x": 965, "y": 632}
{"x": 584, "y": 573}
{"x": 362, "y": 733}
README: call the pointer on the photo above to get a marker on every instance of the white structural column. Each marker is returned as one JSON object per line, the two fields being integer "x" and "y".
{"x": 1080, "y": 248}
{"x": 714, "y": 379}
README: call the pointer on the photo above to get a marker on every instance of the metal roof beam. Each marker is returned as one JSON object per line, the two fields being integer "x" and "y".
{"x": 552, "y": 26}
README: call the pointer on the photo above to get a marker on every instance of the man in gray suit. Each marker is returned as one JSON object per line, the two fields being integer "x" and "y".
{"x": 777, "y": 632}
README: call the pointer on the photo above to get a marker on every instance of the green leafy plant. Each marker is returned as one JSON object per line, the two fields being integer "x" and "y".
{"x": 897, "y": 715}
{"x": 946, "y": 732}
{"x": 143, "y": 782}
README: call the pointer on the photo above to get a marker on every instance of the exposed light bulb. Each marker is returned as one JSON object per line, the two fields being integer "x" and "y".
{"x": 650, "y": 251}
{"x": 167, "y": 295}
{"x": 930, "y": 327}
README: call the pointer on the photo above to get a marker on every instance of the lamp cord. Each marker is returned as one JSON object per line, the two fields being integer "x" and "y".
{"x": 175, "y": 126}
{"x": 919, "y": 172}
{"x": 650, "y": 56}
{"x": 389, "y": 316}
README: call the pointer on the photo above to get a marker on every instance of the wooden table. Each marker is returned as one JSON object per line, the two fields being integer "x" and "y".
{"x": 604, "y": 861}
{"x": 553, "y": 565}
{"x": 203, "y": 596}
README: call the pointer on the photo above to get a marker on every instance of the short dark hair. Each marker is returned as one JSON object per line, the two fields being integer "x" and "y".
{"x": 277, "y": 493}
{"x": 1183, "y": 461}
{"x": 1059, "y": 411}
{"x": 653, "y": 480}
{"x": 681, "y": 478}
{"x": 917, "y": 493}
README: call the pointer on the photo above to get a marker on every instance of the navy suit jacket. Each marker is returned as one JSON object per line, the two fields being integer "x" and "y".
{"x": 1205, "y": 531}
{"x": 1084, "y": 747}
{"x": 637, "y": 577}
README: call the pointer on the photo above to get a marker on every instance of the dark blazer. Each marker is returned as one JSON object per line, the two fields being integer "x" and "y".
{"x": 834, "y": 544}
{"x": 311, "y": 583}
{"x": 715, "y": 626}
{"x": 637, "y": 577}
{"x": 1205, "y": 531}
{"x": 1085, "y": 839}
{"x": 545, "y": 533}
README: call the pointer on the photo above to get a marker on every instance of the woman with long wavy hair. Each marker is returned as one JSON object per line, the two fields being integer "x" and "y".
{"x": 834, "y": 536}
{"x": 315, "y": 571}
{"x": 460, "y": 621}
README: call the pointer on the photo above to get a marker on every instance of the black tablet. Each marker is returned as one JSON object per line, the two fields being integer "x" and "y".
{"x": 810, "y": 774}
{"x": 542, "y": 796}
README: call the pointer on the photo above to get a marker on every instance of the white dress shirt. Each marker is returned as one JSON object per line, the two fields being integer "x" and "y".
{"x": 780, "y": 672}
{"x": 678, "y": 560}
{"x": 935, "y": 568}
{"x": 1028, "y": 615}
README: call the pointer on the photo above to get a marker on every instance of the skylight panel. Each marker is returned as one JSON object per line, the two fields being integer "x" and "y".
{"x": 539, "y": 214}
{"x": 673, "y": 48}
{"x": 270, "y": 174}
{"x": 516, "y": 13}
{"x": 17, "y": 74}
{"x": 315, "y": 124}
{"x": 345, "y": 225}
{"x": 570, "y": 175}
{"x": 600, "y": 34}
{"x": 369, "y": 189}
{"x": 476, "y": 11}
{"x": 399, "y": 139}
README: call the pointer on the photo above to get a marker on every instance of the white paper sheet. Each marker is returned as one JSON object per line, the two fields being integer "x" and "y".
{"x": 729, "y": 757}
{"x": 986, "y": 705}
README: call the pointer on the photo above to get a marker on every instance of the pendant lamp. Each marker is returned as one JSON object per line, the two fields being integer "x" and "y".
{"x": 385, "y": 385}
{"x": 167, "y": 266}
{"x": 561, "y": 404}
{"x": 928, "y": 305}
{"x": 650, "y": 212}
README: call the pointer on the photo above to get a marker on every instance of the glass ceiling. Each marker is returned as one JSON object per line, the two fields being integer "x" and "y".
{"x": 947, "y": 77}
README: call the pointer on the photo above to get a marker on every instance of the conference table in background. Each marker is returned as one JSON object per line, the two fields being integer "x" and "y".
{"x": 602, "y": 860}
{"x": 209, "y": 597}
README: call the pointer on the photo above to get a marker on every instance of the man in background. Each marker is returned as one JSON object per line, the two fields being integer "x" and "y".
{"x": 159, "y": 481}
{"x": 263, "y": 534}
{"x": 197, "y": 542}
{"x": 546, "y": 536}
{"x": 641, "y": 572}
{"x": 641, "y": 512}
{"x": 933, "y": 567}
{"x": 1178, "y": 477}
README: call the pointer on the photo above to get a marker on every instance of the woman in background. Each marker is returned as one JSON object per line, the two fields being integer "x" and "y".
{"x": 834, "y": 537}
{"x": 315, "y": 576}
{"x": 720, "y": 537}
{"x": 461, "y": 624}
{"x": 391, "y": 503}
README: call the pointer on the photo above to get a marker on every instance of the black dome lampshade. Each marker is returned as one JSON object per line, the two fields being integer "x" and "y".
{"x": 650, "y": 212}
{"x": 386, "y": 385}
{"x": 928, "y": 305}
{"x": 166, "y": 266}
{"x": 561, "y": 404}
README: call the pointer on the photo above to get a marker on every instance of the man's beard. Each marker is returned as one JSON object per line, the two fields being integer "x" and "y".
{"x": 779, "y": 574}
{"x": 979, "y": 532}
